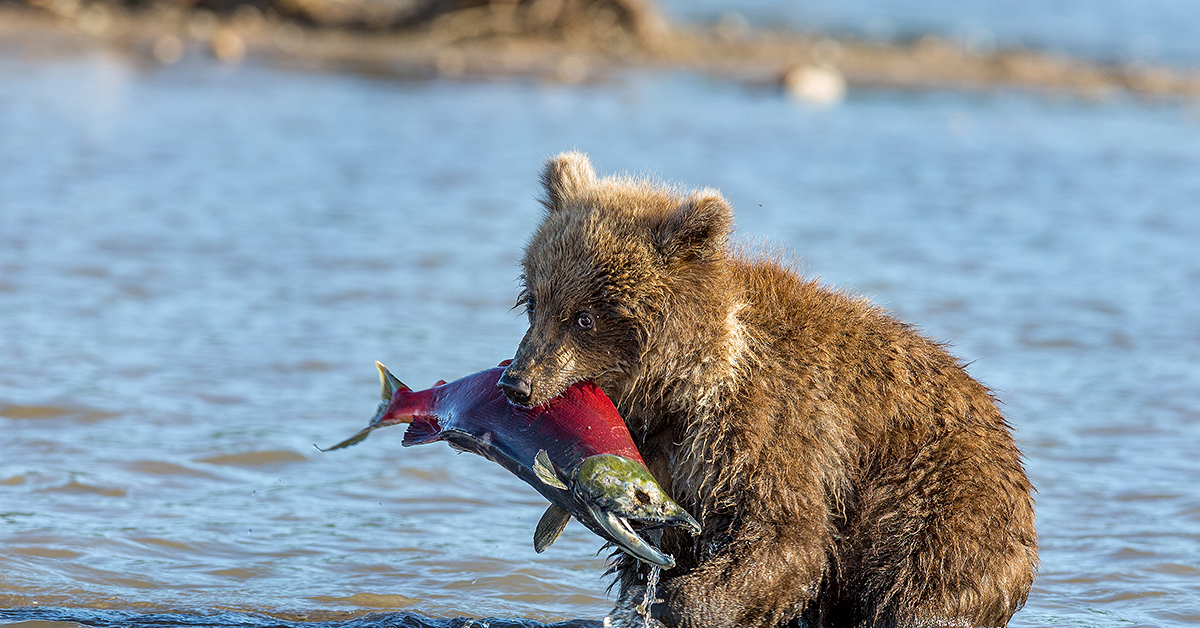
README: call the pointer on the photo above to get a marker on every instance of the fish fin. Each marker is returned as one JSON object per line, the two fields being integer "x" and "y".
{"x": 353, "y": 440}
{"x": 440, "y": 382}
{"x": 423, "y": 429}
{"x": 545, "y": 470}
{"x": 549, "y": 527}
{"x": 505, "y": 362}
{"x": 389, "y": 382}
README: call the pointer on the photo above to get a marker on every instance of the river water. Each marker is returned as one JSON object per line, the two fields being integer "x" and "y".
{"x": 1119, "y": 31}
{"x": 199, "y": 264}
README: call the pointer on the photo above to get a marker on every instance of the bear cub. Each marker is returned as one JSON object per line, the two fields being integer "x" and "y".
{"x": 846, "y": 470}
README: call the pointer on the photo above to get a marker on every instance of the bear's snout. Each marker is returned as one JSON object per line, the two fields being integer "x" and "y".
{"x": 517, "y": 389}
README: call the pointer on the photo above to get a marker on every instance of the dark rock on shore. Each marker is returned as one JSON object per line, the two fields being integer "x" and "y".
{"x": 566, "y": 18}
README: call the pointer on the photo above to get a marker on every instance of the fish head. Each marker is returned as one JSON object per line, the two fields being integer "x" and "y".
{"x": 622, "y": 497}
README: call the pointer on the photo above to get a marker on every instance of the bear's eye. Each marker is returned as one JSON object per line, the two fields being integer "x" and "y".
{"x": 529, "y": 308}
{"x": 584, "y": 320}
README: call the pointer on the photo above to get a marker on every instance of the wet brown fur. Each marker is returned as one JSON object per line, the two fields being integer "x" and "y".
{"x": 846, "y": 470}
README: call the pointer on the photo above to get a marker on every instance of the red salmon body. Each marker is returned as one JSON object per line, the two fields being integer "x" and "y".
{"x": 574, "y": 449}
{"x": 579, "y": 423}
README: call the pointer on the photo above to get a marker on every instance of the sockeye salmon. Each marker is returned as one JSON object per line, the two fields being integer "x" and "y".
{"x": 575, "y": 450}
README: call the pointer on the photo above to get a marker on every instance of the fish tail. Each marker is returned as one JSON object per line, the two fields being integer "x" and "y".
{"x": 353, "y": 440}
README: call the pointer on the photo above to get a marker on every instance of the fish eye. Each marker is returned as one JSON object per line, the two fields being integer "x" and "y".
{"x": 585, "y": 320}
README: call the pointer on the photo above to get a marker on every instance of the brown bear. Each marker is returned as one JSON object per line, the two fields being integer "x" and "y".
{"x": 846, "y": 470}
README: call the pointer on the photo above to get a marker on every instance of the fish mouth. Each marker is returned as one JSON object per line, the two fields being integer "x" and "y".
{"x": 680, "y": 519}
{"x": 621, "y": 531}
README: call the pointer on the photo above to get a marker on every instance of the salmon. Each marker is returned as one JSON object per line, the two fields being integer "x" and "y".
{"x": 574, "y": 449}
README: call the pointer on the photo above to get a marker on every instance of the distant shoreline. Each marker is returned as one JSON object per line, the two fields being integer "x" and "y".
{"x": 466, "y": 49}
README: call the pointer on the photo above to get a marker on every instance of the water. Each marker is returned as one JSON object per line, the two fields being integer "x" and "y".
{"x": 1121, "y": 31}
{"x": 650, "y": 597}
{"x": 198, "y": 266}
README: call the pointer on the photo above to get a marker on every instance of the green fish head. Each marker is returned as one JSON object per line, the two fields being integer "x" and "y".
{"x": 621, "y": 493}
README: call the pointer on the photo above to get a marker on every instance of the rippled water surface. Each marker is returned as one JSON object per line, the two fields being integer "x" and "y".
{"x": 1159, "y": 31}
{"x": 198, "y": 266}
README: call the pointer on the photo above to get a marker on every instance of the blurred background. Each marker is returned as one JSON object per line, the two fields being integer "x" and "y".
{"x": 214, "y": 217}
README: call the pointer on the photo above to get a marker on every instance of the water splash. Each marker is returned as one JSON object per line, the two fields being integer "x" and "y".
{"x": 650, "y": 597}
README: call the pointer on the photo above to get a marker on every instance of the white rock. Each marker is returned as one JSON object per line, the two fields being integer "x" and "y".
{"x": 816, "y": 85}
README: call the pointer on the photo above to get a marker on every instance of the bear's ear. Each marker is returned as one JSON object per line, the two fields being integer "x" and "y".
{"x": 566, "y": 177}
{"x": 697, "y": 230}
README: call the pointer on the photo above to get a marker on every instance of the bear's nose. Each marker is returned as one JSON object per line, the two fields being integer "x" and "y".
{"x": 515, "y": 388}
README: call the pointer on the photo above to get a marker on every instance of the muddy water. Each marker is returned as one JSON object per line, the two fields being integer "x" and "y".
{"x": 198, "y": 266}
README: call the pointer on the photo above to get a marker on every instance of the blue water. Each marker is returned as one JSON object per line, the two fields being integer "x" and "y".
{"x": 199, "y": 264}
{"x": 71, "y": 618}
{"x": 1117, "y": 31}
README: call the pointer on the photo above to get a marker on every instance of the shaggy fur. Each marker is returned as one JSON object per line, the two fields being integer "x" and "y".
{"x": 846, "y": 470}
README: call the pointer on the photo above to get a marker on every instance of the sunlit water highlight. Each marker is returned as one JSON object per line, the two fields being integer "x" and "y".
{"x": 199, "y": 265}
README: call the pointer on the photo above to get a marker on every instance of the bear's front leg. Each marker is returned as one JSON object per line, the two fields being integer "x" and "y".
{"x": 632, "y": 610}
{"x": 756, "y": 581}
{"x": 748, "y": 584}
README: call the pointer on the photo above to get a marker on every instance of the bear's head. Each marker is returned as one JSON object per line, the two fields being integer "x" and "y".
{"x": 618, "y": 268}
